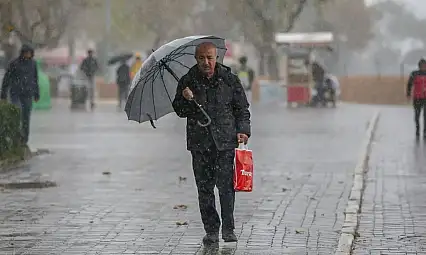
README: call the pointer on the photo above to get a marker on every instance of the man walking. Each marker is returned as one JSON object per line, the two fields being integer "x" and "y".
{"x": 221, "y": 94}
{"x": 123, "y": 83}
{"x": 21, "y": 82}
{"x": 416, "y": 89}
{"x": 90, "y": 66}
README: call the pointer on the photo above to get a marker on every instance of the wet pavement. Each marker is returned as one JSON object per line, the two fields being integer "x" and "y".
{"x": 118, "y": 183}
{"x": 393, "y": 217}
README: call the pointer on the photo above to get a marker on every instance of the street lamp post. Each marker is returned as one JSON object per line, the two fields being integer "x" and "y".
{"x": 107, "y": 37}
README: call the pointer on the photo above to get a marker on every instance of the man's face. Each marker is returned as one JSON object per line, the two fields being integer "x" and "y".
{"x": 28, "y": 55}
{"x": 423, "y": 67}
{"x": 206, "y": 59}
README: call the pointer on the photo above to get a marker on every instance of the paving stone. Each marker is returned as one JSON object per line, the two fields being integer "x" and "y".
{"x": 392, "y": 217}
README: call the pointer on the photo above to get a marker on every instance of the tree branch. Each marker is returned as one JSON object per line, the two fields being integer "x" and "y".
{"x": 24, "y": 24}
{"x": 255, "y": 9}
{"x": 295, "y": 15}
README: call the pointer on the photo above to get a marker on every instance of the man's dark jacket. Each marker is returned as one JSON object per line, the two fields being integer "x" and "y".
{"x": 223, "y": 98}
{"x": 123, "y": 76}
{"x": 21, "y": 77}
{"x": 89, "y": 66}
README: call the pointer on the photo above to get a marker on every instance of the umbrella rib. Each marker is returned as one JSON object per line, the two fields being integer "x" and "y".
{"x": 150, "y": 73}
{"x": 164, "y": 85}
{"x": 152, "y": 94}
{"x": 182, "y": 48}
{"x": 153, "y": 75}
{"x": 174, "y": 60}
{"x": 140, "y": 102}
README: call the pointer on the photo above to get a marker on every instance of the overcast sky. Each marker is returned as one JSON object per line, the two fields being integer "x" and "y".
{"x": 417, "y": 6}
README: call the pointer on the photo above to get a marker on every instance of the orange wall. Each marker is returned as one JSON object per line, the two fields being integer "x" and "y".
{"x": 106, "y": 90}
{"x": 356, "y": 89}
{"x": 373, "y": 89}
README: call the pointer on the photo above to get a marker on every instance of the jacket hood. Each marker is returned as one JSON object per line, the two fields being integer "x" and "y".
{"x": 26, "y": 48}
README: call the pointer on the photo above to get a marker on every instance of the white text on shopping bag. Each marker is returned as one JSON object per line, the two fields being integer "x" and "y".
{"x": 245, "y": 173}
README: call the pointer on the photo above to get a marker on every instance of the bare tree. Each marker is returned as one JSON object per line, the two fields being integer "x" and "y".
{"x": 165, "y": 19}
{"x": 351, "y": 19}
{"x": 159, "y": 20}
{"x": 40, "y": 23}
{"x": 259, "y": 21}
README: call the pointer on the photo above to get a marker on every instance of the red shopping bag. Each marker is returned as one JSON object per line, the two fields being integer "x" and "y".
{"x": 243, "y": 166}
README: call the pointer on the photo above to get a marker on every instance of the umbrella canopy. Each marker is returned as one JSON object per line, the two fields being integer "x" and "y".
{"x": 154, "y": 86}
{"x": 120, "y": 58}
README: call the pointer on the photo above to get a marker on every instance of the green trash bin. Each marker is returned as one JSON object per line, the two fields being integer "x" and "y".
{"x": 45, "y": 101}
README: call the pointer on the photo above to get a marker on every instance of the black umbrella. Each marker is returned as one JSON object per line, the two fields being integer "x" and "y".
{"x": 120, "y": 58}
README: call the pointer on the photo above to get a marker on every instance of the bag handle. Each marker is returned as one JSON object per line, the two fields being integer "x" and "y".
{"x": 242, "y": 146}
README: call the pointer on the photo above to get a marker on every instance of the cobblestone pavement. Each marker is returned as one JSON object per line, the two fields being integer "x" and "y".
{"x": 304, "y": 159}
{"x": 393, "y": 218}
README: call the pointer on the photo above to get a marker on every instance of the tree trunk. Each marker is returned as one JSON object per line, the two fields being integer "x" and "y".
{"x": 10, "y": 52}
{"x": 273, "y": 65}
{"x": 270, "y": 55}
{"x": 262, "y": 59}
{"x": 268, "y": 63}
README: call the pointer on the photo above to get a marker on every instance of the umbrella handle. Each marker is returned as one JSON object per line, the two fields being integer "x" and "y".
{"x": 209, "y": 120}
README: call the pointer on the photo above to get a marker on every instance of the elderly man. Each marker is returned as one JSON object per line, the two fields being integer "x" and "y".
{"x": 221, "y": 94}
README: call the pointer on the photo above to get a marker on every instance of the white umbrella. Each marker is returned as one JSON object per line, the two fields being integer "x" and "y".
{"x": 154, "y": 86}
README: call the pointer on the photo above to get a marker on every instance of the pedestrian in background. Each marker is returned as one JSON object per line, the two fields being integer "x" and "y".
{"x": 21, "y": 82}
{"x": 416, "y": 90}
{"x": 123, "y": 83}
{"x": 245, "y": 74}
{"x": 136, "y": 66}
{"x": 90, "y": 67}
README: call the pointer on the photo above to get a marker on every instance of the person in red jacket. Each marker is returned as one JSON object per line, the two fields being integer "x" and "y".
{"x": 416, "y": 89}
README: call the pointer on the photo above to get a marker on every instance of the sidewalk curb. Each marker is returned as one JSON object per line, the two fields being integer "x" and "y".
{"x": 350, "y": 225}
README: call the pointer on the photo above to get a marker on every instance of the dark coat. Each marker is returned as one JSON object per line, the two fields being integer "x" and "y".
{"x": 21, "y": 78}
{"x": 224, "y": 99}
{"x": 89, "y": 66}
{"x": 123, "y": 75}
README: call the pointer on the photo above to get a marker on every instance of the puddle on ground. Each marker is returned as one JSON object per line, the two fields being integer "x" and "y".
{"x": 28, "y": 185}
{"x": 20, "y": 234}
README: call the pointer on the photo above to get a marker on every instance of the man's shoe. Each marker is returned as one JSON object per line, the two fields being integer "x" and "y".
{"x": 211, "y": 238}
{"x": 229, "y": 236}
{"x": 417, "y": 133}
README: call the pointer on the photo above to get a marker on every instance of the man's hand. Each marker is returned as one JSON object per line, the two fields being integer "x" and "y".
{"x": 242, "y": 138}
{"x": 187, "y": 94}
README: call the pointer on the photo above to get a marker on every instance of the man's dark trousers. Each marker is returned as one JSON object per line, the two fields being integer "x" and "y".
{"x": 215, "y": 168}
{"x": 25, "y": 103}
{"x": 419, "y": 105}
{"x": 123, "y": 93}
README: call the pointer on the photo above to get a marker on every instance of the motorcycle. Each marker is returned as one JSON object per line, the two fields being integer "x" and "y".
{"x": 323, "y": 98}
